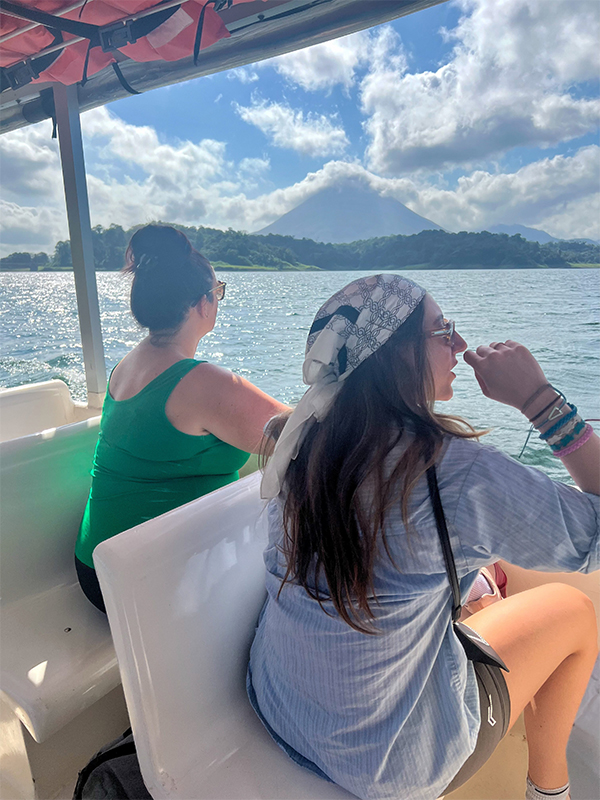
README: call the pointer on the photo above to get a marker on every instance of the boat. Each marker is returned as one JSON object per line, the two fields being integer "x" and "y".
{"x": 182, "y": 608}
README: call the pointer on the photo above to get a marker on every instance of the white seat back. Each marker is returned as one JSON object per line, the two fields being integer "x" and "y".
{"x": 44, "y": 484}
{"x": 56, "y": 653}
{"x": 183, "y": 593}
{"x": 35, "y": 407}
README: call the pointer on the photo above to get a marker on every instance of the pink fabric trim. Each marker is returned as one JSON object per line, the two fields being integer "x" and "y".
{"x": 576, "y": 445}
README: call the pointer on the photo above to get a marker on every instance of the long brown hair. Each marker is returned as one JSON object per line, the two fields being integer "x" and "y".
{"x": 329, "y": 524}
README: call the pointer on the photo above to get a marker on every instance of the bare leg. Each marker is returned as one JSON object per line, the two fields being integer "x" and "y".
{"x": 547, "y": 638}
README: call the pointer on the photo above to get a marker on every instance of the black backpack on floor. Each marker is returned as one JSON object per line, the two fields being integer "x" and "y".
{"x": 113, "y": 773}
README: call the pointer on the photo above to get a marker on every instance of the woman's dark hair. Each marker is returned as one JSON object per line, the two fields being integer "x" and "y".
{"x": 169, "y": 277}
{"x": 330, "y": 524}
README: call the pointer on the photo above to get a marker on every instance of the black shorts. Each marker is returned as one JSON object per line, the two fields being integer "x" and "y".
{"x": 494, "y": 702}
{"x": 89, "y": 584}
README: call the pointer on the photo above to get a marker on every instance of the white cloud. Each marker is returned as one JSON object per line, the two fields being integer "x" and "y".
{"x": 30, "y": 162}
{"x": 32, "y": 211}
{"x": 543, "y": 194}
{"x": 195, "y": 184}
{"x": 30, "y": 229}
{"x": 311, "y": 135}
{"x": 243, "y": 74}
{"x": 139, "y": 144}
{"x": 325, "y": 65}
{"x": 559, "y": 195}
{"x": 508, "y": 83}
{"x": 254, "y": 166}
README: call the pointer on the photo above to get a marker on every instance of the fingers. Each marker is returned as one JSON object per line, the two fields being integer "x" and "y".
{"x": 474, "y": 357}
{"x": 471, "y": 358}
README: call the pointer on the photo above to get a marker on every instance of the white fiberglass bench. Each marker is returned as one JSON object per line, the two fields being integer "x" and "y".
{"x": 56, "y": 651}
{"x": 60, "y": 695}
{"x": 37, "y": 407}
{"x": 183, "y": 593}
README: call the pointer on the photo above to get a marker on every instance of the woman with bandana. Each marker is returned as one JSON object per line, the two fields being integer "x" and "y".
{"x": 382, "y": 512}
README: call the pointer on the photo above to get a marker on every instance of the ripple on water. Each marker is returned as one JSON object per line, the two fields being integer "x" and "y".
{"x": 263, "y": 322}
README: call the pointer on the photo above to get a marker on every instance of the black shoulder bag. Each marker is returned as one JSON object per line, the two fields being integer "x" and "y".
{"x": 475, "y": 646}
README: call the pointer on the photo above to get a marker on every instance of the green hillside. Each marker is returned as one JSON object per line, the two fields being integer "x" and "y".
{"x": 431, "y": 249}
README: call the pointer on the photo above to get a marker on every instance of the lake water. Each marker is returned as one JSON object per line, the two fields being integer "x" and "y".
{"x": 263, "y": 322}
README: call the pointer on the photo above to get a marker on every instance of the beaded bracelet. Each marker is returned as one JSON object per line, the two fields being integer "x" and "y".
{"x": 559, "y": 424}
{"x": 576, "y": 445}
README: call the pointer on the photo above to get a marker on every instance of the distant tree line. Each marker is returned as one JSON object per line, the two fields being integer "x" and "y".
{"x": 432, "y": 249}
{"x": 25, "y": 261}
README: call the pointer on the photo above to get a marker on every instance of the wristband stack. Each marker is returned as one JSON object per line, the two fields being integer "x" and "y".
{"x": 568, "y": 431}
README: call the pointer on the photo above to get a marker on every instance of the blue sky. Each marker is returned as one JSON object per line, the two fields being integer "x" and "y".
{"x": 203, "y": 107}
{"x": 472, "y": 113}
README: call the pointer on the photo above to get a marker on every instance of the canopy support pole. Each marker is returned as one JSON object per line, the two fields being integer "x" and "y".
{"x": 66, "y": 105}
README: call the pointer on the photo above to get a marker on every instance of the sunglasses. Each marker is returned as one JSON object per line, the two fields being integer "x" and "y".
{"x": 447, "y": 332}
{"x": 219, "y": 290}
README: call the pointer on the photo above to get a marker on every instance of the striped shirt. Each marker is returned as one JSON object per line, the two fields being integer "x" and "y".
{"x": 395, "y": 715}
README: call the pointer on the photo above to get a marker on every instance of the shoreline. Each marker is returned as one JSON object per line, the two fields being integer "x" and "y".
{"x": 221, "y": 267}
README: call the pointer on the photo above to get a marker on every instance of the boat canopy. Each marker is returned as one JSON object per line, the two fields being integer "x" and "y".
{"x": 60, "y": 58}
{"x": 110, "y": 48}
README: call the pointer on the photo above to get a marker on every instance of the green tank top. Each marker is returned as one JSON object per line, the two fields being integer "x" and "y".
{"x": 143, "y": 466}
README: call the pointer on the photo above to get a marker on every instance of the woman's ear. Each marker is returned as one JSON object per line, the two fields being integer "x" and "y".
{"x": 204, "y": 307}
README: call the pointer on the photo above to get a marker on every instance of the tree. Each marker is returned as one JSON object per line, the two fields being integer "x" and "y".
{"x": 62, "y": 256}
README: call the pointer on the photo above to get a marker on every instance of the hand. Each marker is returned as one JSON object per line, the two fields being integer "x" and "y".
{"x": 506, "y": 372}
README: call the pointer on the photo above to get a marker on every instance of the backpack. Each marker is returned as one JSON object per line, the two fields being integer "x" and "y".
{"x": 113, "y": 773}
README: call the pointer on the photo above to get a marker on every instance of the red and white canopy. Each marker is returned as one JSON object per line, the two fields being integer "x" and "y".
{"x": 98, "y": 33}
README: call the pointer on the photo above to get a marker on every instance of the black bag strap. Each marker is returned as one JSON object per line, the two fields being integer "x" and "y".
{"x": 122, "y": 748}
{"x": 442, "y": 528}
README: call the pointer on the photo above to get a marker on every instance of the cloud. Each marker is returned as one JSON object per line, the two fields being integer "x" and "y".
{"x": 24, "y": 228}
{"x": 325, "y": 65}
{"x": 558, "y": 195}
{"x": 171, "y": 164}
{"x": 313, "y": 135}
{"x": 543, "y": 194}
{"x": 134, "y": 178}
{"x": 32, "y": 210}
{"x": 243, "y": 74}
{"x": 30, "y": 164}
{"x": 508, "y": 83}
{"x": 254, "y": 166}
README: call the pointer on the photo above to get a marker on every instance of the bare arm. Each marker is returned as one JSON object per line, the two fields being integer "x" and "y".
{"x": 230, "y": 407}
{"x": 509, "y": 373}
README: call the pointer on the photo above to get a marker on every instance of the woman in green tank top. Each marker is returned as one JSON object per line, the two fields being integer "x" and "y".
{"x": 172, "y": 428}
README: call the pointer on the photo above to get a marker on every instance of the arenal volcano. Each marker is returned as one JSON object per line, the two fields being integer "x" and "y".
{"x": 348, "y": 212}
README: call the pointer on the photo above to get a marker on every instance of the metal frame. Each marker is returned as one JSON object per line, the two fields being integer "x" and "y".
{"x": 280, "y": 27}
{"x": 66, "y": 103}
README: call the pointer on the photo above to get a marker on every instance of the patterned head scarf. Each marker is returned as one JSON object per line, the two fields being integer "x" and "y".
{"x": 350, "y": 327}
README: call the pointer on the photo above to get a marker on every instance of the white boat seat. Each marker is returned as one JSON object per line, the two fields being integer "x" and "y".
{"x": 56, "y": 652}
{"x": 35, "y": 407}
{"x": 183, "y": 593}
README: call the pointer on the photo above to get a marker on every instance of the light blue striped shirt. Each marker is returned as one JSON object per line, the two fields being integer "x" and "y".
{"x": 395, "y": 715}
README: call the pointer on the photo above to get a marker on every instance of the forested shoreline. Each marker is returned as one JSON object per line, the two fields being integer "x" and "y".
{"x": 432, "y": 249}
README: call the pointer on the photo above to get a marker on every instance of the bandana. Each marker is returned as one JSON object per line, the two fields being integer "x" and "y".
{"x": 350, "y": 327}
